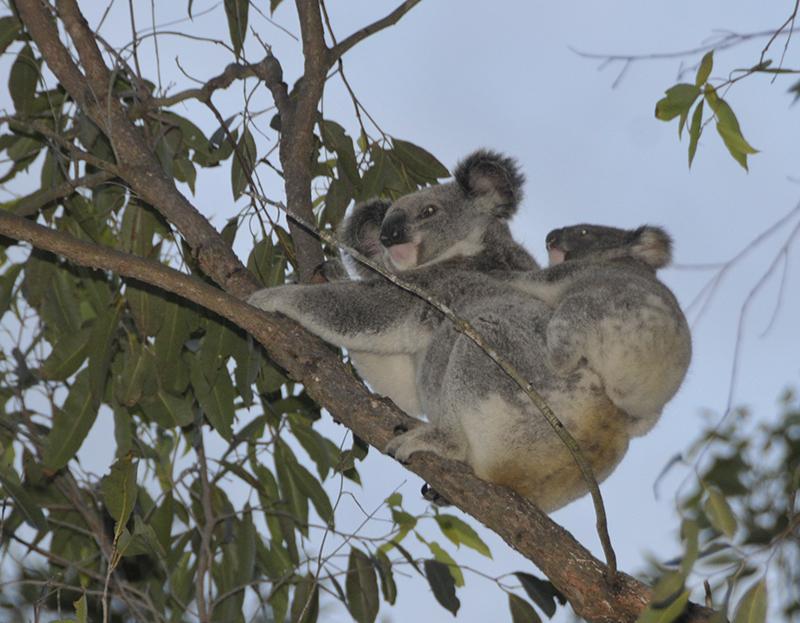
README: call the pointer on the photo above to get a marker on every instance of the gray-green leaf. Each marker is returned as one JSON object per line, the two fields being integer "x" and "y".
{"x": 521, "y": 610}
{"x": 719, "y": 512}
{"x": 442, "y": 585}
{"x": 71, "y": 424}
{"x": 753, "y": 606}
{"x": 362, "y": 587}
{"x": 704, "y": 70}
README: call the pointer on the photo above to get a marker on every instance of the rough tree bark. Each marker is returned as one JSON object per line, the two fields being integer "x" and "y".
{"x": 571, "y": 567}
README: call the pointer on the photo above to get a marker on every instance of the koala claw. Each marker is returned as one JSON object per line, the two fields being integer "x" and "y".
{"x": 400, "y": 449}
{"x": 433, "y": 496}
{"x": 424, "y": 438}
{"x": 330, "y": 271}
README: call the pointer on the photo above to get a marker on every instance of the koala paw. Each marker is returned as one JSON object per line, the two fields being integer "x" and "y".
{"x": 564, "y": 360}
{"x": 423, "y": 438}
{"x": 270, "y": 299}
{"x": 563, "y": 351}
{"x": 330, "y": 271}
{"x": 261, "y": 299}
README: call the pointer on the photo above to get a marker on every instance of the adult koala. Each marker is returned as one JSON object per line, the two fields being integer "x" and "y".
{"x": 446, "y": 240}
{"x": 395, "y": 374}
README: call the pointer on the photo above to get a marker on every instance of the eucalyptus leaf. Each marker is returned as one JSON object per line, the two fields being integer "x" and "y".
{"x": 71, "y": 424}
{"x": 460, "y": 533}
{"x": 667, "y": 614}
{"x": 305, "y": 604}
{"x": 443, "y": 557}
{"x": 521, "y": 610}
{"x": 704, "y": 69}
{"x": 119, "y": 490}
{"x": 10, "y": 28}
{"x": 719, "y": 512}
{"x": 68, "y": 354}
{"x": 362, "y": 587}
{"x": 22, "y": 80}
{"x": 236, "y": 12}
{"x": 22, "y": 500}
{"x": 752, "y": 607}
{"x": 542, "y": 592}
{"x": 442, "y": 585}
{"x": 695, "y": 129}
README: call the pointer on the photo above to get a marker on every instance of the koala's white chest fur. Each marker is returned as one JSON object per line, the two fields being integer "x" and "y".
{"x": 390, "y": 375}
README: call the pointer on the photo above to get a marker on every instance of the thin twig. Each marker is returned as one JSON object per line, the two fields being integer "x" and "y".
{"x": 389, "y": 20}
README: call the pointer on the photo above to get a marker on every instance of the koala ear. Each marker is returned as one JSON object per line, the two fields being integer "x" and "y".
{"x": 652, "y": 245}
{"x": 488, "y": 173}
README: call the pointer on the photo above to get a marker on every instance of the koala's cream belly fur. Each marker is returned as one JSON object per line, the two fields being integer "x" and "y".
{"x": 506, "y": 447}
{"x": 393, "y": 376}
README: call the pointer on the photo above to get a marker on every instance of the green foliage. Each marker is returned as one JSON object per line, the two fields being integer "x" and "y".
{"x": 172, "y": 377}
{"x": 236, "y": 11}
{"x": 521, "y": 610}
{"x": 679, "y": 101}
{"x": 542, "y": 592}
{"x": 740, "y": 520}
{"x": 442, "y": 584}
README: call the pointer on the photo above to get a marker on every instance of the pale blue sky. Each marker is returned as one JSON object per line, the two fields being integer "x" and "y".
{"x": 454, "y": 76}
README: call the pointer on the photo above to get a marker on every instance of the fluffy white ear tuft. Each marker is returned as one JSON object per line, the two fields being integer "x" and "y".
{"x": 491, "y": 174}
{"x": 653, "y": 246}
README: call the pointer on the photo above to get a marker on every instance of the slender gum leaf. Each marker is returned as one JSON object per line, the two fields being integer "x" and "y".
{"x": 71, "y": 424}
{"x": 22, "y": 501}
{"x": 521, "y": 610}
{"x": 442, "y": 585}
{"x": 753, "y": 606}
{"x": 695, "y": 129}
{"x": 704, "y": 70}
{"x": 362, "y": 587}
{"x": 719, "y": 512}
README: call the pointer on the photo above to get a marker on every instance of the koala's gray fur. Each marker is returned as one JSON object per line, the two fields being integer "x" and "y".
{"x": 612, "y": 313}
{"x": 395, "y": 375}
{"x": 453, "y": 242}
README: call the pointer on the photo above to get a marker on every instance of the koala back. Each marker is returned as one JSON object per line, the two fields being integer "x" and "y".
{"x": 613, "y": 313}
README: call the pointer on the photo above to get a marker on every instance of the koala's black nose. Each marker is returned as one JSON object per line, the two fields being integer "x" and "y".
{"x": 552, "y": 238}
{"x": 393, "y": 229}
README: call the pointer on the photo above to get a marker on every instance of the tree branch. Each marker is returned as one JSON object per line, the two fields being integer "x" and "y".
{"x": 137, "y": 164}
{"x": 268, "y": 70}
{"x": 390, "y": 20}
{"x": 298, "y": 116}
{"x": 31, "y": 204}
{"x": 570, "y": 566}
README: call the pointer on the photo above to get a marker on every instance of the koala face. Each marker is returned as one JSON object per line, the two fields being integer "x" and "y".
{"x": 651, "y": 245}
{"x": 440, "y": 222}
{"x": 431, "y": 225}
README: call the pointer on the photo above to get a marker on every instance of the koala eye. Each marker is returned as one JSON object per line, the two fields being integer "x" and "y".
{"x": 428, "y": 210}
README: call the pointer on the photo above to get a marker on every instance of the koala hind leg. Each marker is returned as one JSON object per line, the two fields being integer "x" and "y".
{"x": 427, "y": 438}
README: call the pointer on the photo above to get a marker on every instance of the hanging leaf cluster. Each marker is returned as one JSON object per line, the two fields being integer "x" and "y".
{"x": 679, "y": 100}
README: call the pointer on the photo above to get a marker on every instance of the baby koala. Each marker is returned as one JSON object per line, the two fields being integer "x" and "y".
{"x": 612, "y": 314}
